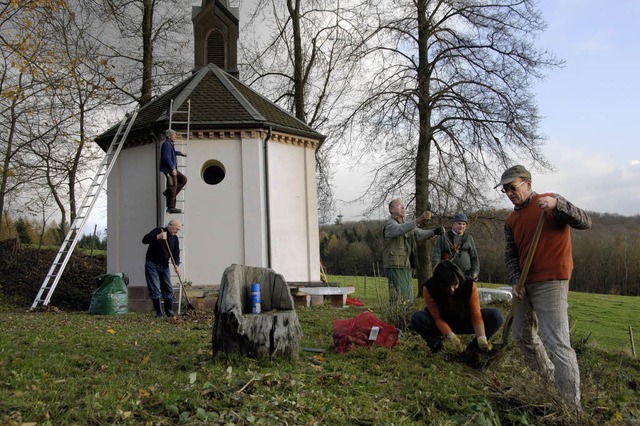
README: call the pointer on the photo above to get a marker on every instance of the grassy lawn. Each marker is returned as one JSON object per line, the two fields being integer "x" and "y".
{"x": 59, "y": 368}
{"x": 605, "y": 319}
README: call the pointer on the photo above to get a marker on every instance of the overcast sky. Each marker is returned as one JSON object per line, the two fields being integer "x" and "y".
{"x": 590, "y": 107}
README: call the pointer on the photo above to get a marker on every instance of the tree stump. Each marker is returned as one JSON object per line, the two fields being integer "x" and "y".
{"x": 275, "y": 332}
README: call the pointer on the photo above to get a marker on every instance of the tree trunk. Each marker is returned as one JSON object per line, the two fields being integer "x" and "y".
{"x": 147, "y": 52}
{"x": 424, "y": 139}
{"x": 298, "y": 78}
{"x": 274, "y": 332}
{"x": 265, "y": 335}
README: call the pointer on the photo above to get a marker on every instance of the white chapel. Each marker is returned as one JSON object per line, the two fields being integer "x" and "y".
{"x": 251, "y": 192}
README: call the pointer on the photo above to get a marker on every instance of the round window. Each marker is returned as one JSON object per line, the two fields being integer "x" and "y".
{"x": 213, "y": 172}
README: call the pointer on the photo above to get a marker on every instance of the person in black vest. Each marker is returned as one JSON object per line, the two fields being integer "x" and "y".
{"x": 457, "y": 246}
{"x": 453, "y": 307}
{"x": 156, "y": 266}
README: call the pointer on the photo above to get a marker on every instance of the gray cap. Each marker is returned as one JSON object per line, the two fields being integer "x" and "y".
{"x": 512, "y": 173}
{"x": 460, "y": 217}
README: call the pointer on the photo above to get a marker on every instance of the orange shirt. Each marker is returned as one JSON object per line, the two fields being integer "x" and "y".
{"x": 453, "y": 309}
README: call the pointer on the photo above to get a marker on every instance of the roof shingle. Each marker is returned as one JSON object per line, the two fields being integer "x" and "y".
{"x": 218, "y": 101}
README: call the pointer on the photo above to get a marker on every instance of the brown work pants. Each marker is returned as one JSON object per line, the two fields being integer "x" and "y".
{"x": 174, "y": 186}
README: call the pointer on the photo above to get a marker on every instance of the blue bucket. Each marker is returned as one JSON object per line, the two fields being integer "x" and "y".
{"x": 255, "y": 298}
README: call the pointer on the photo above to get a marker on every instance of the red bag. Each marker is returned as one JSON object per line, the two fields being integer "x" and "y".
{"x": 363, "y": 330}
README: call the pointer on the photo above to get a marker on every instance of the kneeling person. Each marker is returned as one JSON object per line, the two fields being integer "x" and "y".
{"x": 453, "y": 306}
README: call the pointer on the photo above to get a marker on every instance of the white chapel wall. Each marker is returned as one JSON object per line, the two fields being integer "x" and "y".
{"x": 294, "y": 222}
{"x": 223, "y": 223}
{"x": 131, "y": 211}
{"x": 213, "y": 229}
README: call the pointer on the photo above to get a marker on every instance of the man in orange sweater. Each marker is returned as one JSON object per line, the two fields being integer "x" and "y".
{"x": 453, "y": 306}
{"x": 543, "y": 301}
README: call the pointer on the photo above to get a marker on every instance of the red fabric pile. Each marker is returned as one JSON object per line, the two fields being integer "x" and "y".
{"x": 363, "y": 330}
{"x": 354, "y": 302}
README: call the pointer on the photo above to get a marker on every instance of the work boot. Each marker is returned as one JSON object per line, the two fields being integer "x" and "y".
{"x": 168, "y": 307}
{"x": 173, "y": 210}
{"x": 157, "y": 308}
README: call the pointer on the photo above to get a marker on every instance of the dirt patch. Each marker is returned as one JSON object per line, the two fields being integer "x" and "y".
{"x": 23, "y": 270}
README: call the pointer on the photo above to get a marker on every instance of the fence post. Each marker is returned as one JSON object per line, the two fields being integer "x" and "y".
{"x": 633, "y": 346}
{"x": 365, "y": 284}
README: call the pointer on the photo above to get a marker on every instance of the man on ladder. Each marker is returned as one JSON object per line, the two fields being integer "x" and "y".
{"x": 169, "y": 166}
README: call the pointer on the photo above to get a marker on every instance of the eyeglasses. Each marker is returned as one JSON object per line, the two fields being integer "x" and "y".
{"x": 511, "y": 188}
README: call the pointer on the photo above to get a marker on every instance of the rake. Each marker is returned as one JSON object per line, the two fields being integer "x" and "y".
{"x": 523, "y": 277}
{"x": 173, "y": 262}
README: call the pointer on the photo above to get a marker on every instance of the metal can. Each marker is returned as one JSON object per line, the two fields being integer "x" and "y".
{"x": 255, "y": 298}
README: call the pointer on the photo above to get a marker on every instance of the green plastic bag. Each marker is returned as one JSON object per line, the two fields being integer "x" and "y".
{"x": 112, "y": 295}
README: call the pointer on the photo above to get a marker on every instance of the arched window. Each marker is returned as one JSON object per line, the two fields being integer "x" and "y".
{"x": 216, "y": 49}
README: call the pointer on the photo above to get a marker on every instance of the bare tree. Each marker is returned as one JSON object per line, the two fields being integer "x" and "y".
{"x": 144, "y": 41}
{"x": 21, "y": 46}
{"x": 81, "y": 91}
{"x": 59, "y": 83}
{"x": 305, "y": 63}
{"x": 450, "y": 103}
{"x": 62, "y": 65}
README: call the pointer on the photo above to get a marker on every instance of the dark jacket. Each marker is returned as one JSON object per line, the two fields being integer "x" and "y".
{"x": 460, "y": 249}
{"x": 167, "y": 157}
{"x": 157, "y": 251}
{"x": 463, "y": 306}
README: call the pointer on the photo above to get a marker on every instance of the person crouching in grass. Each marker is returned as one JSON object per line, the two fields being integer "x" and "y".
{"x": 453, "y": 307}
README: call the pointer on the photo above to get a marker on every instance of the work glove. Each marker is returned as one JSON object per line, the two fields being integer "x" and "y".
{"x": 439, "y": 230}
{"x": 484, "y": 344}
{"x": 454, "y": 342}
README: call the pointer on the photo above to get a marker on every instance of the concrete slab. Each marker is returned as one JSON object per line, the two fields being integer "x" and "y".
{"x": 337, "y": 296}
{"x": 494, "y": 294}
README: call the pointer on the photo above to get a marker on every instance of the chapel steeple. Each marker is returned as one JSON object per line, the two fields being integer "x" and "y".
{"x": 215, "y": 32}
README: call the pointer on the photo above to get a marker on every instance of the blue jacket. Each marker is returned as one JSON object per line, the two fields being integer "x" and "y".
{"x": 167, "y": 157}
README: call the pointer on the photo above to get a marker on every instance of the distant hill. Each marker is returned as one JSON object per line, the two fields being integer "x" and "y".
{"x": 606, "y": 257}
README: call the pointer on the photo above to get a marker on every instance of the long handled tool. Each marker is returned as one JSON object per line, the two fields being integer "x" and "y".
{"x": 173, "y": 262}
{"x": 523, "y": 277}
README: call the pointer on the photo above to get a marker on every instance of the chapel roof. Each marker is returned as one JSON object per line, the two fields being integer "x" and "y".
{"x": 218, "y": 102}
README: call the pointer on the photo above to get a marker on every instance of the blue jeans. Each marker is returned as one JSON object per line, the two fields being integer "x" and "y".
{"x": 424, "y": 324}
{"x": 543, "y": 309}
{"x": 158, "y": 280}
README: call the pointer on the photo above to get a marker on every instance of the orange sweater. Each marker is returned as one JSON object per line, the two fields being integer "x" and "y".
{"x": 553, "y": 259}
{"x": 453, "y": 308}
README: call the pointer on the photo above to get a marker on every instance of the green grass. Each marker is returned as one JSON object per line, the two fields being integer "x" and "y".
{"x": 604, "y": 319}
{"x": 59, "y": 368}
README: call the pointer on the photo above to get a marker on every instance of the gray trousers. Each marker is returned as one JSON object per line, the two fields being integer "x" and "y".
{"x": 544, "y": 309}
